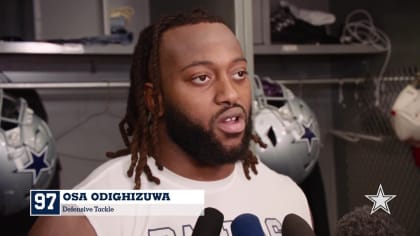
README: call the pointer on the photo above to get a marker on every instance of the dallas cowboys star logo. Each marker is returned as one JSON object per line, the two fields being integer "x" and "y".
{"x": 36, "y": 164}
{"x": 380, "y": 200}
{"x": 308, "y": 136}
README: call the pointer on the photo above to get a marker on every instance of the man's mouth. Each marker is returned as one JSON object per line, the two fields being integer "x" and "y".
{"x": 231, "y": 121}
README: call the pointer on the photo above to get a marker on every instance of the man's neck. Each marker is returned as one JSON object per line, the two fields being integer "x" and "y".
{"x": 171, "y": 156}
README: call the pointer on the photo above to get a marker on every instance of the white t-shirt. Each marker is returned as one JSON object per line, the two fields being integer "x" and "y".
{"x": 268, "y": 195}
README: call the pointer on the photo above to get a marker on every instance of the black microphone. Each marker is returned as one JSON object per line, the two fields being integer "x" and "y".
{"x": 294, "y": 225}
{"x": 209, "y": 224}
{"x": 246, "y": 225}
{"x": 360, "y": 221}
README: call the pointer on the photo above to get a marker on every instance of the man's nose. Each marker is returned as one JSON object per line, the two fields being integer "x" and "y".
{"x": 226, "y": 91}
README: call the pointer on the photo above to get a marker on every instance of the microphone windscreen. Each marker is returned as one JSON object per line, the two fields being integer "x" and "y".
{"x": 360, "y": 221}
{"x": 294, "y": 225}
{"x": 209, "y": 224}
{"x": 246, "y": 224}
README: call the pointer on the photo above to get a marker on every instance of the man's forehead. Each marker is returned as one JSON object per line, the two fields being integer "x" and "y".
{"x": 200, "y": 28}
{"x": 198, "y": 41}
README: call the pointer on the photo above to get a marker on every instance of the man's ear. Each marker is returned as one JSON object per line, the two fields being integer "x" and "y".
{"x": 150, "y": 102}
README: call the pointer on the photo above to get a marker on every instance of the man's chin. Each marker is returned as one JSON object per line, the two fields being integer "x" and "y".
{"x": 231, "y": 146}
{"x": 230, "y": 142}
{"x": 234, "y": 146}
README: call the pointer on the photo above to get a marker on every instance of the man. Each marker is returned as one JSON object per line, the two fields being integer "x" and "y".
{"x": 189, "y": 116}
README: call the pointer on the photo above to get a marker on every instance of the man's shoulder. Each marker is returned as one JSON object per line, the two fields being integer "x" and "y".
{"x": 266, "y": 172}
{"x": 110, "y": 174}
{"x": 279, "y": 183}
{"x": 267, "y": 178}
{"x": 63, "y": 225}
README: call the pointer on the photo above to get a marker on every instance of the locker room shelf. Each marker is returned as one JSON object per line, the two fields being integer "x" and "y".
{"x": 321, "y": 49}
{"x": 59, "y": 49}
{"x": 115, "y": 49}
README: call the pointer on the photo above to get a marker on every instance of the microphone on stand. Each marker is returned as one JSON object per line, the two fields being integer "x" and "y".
{"x": 209, "y": 224}
{"x": 246, "y": 225}
{"x": 294, "y": 225}
{"x": 360, "y": 221}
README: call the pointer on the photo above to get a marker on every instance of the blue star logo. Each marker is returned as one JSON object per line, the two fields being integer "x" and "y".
{"x": 37, "y": 164}
{"x": 308, "y": 136}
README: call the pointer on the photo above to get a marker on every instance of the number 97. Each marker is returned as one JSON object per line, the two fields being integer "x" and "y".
{"x": 41, "y": 199}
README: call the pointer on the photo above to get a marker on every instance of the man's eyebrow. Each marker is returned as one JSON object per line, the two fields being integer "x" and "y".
{"x": 240, "y": 59}
{"x": 196, "y": 63}
{"x": 199, "y": 63}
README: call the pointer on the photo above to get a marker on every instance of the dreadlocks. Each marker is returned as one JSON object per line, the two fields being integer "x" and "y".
{"x": 142, "y": 124}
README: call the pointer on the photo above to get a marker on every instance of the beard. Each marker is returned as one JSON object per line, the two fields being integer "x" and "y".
{"x": 201, "y": 144}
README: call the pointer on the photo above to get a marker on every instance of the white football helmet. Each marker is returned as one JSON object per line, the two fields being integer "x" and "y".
{"x": 288, "y": 127}
{"x": 27, "y": 154}
{"x": 406, "y": 115}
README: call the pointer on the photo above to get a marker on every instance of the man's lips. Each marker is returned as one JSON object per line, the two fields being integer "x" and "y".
{"x": 231, "y": 121}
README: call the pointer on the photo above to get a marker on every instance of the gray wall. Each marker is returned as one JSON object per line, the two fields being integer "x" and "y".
{"x": 85, "y": 124}
{"x": 60, "y": 19}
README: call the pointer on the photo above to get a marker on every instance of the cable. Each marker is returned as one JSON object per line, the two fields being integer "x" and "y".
{"x": 364, "y": 31}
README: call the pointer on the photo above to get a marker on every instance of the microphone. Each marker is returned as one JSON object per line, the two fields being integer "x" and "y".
{"x": 360, "y": 221}
{"x": 246, "y": 225}
{"x": 209, "y": 224}
{"x": 294, "y": 225}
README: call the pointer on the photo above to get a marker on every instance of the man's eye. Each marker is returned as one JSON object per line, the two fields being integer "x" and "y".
{"x": 240, "y": 75}
{"x": 201, "y": 79}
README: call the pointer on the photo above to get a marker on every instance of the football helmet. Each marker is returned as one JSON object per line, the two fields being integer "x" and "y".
{"x": 27, "y": 154}
{"x": 405, "y": 117}
{"x": 288, "y": 127}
